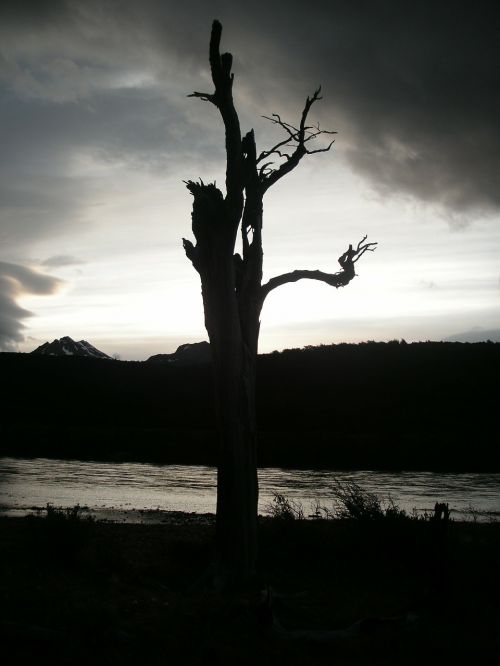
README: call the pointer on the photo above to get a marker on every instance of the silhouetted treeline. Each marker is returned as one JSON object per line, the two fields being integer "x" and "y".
{"x": 373, "y": 405}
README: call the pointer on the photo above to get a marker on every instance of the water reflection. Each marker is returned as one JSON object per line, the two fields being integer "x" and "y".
{"x": 108, "y": 488}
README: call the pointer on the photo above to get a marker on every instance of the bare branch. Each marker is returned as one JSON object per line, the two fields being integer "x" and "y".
{"x": 285, "y": 156}
{"x": 333, "y": 279}
{"x": 206, "y": 97}
{"x": 297, "y": 138}
{"x": 274, "y": 149}
{"x": 340, "y": 279}
{"x": 362, "y": 248}
{"x": 309, "y": 102}
{"x": 264, "y": 168}
{"x": 276, "y": 120}
{"x": 321, "y": 150}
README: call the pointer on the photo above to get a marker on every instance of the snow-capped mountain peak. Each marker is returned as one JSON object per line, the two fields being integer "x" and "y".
{"x": 66, "y": 346}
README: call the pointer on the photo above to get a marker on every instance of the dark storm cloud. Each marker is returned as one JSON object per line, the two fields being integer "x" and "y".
{"x": 412, "y": 88}
{"x": 424, "y": 101}
{"x": 17, "y": 281}
{"x": 34, "y": 12}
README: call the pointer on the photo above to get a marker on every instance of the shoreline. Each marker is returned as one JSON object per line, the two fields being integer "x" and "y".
{"x": 166, "y": 517}
{"x": 116, "y": 516}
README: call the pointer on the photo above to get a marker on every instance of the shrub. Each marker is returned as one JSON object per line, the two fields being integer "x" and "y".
{"x": 351, "y": 501}
{"x": 71, "y": 514}
{"x": 284, "y": 508}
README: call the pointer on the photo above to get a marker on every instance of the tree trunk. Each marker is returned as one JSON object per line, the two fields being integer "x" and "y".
{"x": 237, "y": 486}
{"x": 234, "y": 379}
{"x": 232, "y": 328}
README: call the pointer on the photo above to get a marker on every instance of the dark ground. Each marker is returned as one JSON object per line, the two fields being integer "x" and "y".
{"x": 77, "y": 592}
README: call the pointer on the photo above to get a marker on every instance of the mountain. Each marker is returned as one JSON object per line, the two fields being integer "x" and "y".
{"x": 187, "y": 354}
{"x": 66, "y": 346}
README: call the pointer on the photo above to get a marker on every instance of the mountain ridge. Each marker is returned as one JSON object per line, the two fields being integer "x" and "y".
{"x": 66, "y": 346}
{"x": 191, "y": 353}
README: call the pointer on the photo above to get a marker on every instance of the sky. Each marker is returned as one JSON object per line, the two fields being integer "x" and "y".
{"x": 98, "y": 134}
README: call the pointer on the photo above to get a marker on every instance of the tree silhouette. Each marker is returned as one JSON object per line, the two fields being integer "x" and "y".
{"x": 233, "y": 296}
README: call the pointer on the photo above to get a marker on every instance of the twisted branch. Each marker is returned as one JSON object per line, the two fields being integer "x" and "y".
{"x": 340, "y": 279}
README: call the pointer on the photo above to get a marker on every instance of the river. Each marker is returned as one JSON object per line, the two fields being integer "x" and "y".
{"x": 132, "y": 492}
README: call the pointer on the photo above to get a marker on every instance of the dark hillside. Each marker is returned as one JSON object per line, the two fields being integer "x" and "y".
{"x": 373, "y": 405}
{"x": 426, "y": 405}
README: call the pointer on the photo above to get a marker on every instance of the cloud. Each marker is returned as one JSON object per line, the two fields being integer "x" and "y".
{"x": 17, "y": 281}
{"x": 43, "y": 190}
{"x": 411, "y": 89}
{"x": 72, "y": 90}
{"x": 60, "y": 260}
{"x": 427, "y": 284}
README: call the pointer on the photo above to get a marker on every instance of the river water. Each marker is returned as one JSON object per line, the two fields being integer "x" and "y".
{"x": 133, "y": 492}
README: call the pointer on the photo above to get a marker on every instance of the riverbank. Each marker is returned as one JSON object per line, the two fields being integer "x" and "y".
{"x": 79, "y": 592}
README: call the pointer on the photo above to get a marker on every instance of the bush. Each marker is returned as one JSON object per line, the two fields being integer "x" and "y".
{"x": 72, "y": 514}
{"x": 284, "y": 508}
{"x": 352, "y": 502}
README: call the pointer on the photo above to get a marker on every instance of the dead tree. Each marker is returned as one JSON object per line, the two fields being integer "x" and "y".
{"x": 233, "y": 296}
